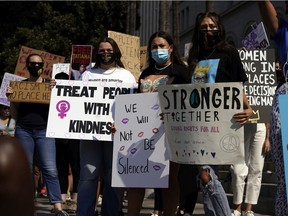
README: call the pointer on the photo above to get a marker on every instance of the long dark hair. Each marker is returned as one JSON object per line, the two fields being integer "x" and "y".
{"x": 116, "y": 51}
{"x": 196, "y": 43}
{"x": 175, "y": 57}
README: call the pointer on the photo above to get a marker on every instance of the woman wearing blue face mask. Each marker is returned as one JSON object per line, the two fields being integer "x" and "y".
{"x": 164, "y": 67}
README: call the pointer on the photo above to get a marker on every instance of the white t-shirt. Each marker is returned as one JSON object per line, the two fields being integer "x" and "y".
{"x": 116, "y": 75}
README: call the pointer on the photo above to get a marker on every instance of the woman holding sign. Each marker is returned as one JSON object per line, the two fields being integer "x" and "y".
{"x": 213, "y": 60}
{"x": 96, "y": 156}
{"x": 165, "y": 67}
{"x": 31, "y": 122}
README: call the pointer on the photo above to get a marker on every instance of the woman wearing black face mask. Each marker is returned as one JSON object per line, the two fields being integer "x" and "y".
{"x": 97, "y": 155}
{"x": 222, "y": 64}
{"x": 31, "y": 123}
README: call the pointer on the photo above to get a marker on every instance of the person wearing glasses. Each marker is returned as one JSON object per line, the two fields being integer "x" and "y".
{"x": 210, "y": 50}
{"x": 31, "y": 122}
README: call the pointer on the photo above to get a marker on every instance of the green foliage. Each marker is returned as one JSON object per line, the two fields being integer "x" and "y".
{"x": 54, "y": 26}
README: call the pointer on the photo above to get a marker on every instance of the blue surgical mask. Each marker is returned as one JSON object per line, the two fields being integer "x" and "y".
{"x": 160, "y": 55}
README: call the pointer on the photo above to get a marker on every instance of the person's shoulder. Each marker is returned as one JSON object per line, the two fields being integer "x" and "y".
{"x": 180, "y": 67}
{"x": 123, "y": 70}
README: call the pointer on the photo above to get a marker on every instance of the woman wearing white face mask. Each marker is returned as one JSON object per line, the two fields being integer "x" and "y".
{"x": 164, "y": 67}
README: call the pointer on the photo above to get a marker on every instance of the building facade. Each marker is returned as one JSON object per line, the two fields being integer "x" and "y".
{"x": 237, "y": 18}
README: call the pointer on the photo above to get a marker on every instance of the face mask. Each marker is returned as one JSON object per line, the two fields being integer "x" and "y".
{"x": 209, "y": 38}
{"x": 160, "y": 55}
{"x": 106, "y": 58}
{"x": 35, "y": 71}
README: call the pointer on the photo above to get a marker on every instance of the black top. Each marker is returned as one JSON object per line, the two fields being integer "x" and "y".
{"x": 221, "y": 66}
{"x": 33, "y": 115}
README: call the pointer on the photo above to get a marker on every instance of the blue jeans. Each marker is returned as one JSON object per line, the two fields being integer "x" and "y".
{"x": 95, "y": 161}
{"x": 214, "y": 197}
{"x": 32, "y": 140}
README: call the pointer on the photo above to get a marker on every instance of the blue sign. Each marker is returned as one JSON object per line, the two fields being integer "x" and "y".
{"x": 283, "y": 106}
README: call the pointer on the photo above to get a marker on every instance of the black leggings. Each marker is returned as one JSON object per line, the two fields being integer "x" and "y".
{"x": 67, "y": 153}
{"x": 188, "y": 193}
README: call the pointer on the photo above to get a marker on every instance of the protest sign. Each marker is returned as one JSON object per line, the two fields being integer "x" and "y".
{"x": 187, "y": 48}
{"x": 143, "y": 57}
{"x": 259, "y": 66}
{"x": 140, "y": 158}
{"x": 81, "y": 55}
{"x": 129, "y": 46}
{"x": 199, "y": 125}
{"x": 84, "y": 109}
{"x": 30, "y": 92}
{"x": 283, "y": 107}
{"x": 49, "y": 60}
{"x": 60, "y": 68}
{"x": 5, "y": 84}
{"x": 257, "y": 38}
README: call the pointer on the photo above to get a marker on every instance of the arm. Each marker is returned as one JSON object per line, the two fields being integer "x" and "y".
{"x": 269, "y": 16}
{"x": 244, "y": 116}
{"x": 266, "y": 145}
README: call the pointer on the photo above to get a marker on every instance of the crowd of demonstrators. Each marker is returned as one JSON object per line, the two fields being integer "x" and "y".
{"x": 278, "y": 30}
{"x": 30, "y": 129}
{"x": 91, "y": 160}
{"x": 164, "y": 67}
{"x": 210, "y": 48}
{"x": 96, "y": 156}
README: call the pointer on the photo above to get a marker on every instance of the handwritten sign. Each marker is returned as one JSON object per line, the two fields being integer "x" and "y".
{"x": 30, "y": 92}
{"x": 81, "y": 55}
{"x": 143, "y": 57}
{"x": 283, "y": 105}
{"x": 83, "y": 110}
{"x": 187, "y": 48}
{"x": 257, "y": 38}
{"x": 5, "y": 84}
{"x": 140, "y": 158}
{"x": 130, "y": 49}
{"x": 59, "y": 68}
{"x": 259, "y": 66}
{"x": 199, "y": 124}
{"x": 49, "y": 60}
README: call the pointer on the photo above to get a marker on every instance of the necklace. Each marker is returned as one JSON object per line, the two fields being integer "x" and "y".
{"x": 206, "y": 57}
{"x": 162, "y": 68}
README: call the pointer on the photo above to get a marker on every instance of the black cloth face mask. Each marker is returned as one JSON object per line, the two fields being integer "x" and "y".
{"x": 35, "y": 71}
{"x": 106, "y": 58}
{"x": 209, "y": 38}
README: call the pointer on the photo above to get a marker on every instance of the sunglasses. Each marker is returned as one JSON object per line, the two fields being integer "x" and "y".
{"x": 36, "y": 63}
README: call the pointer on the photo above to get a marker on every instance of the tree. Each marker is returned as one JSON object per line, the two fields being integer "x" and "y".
{"x": 54, "y": 26}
